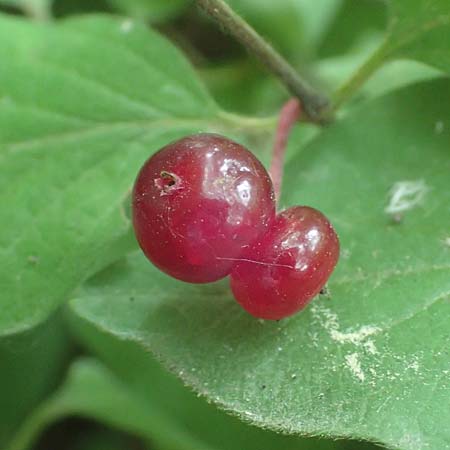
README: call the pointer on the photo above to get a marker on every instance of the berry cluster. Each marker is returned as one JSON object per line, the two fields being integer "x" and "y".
{"x": 204, "y": 208}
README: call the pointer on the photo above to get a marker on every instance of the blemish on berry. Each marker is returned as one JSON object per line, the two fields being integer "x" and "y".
{"x": 167, "y": 182}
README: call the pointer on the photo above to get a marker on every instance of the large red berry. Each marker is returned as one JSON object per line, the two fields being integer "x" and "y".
{"x": 288, "y": 266}
{"x": 198, "y": 203}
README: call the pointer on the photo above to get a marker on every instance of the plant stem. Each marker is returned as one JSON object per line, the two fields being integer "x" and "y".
{"x": 289, "y": 115}
{"x": 360, "y": 76}
{"x": 313, "y": 102}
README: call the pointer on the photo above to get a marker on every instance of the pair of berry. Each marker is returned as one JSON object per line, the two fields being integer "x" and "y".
{"x": 204, "y": 208}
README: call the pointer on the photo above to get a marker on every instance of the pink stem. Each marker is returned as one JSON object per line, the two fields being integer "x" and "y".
{"x": 289, "y": 115}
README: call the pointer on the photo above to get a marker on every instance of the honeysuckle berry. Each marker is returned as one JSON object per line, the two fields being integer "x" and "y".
{"x": 280, "y": 273}
{"x": 198, "y": 203}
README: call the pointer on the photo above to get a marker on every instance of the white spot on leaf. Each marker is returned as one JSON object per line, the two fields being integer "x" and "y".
{"x": 126, "y": 26}
{"x": 405, "y": 195}
{"x": 352, "y": 361}
{"x": 357, "y": 337}
{"x": 439, "y": 127}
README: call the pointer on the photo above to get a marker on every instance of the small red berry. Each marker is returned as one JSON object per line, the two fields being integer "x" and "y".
{"x": 288, "y": 266}
{"x": 198, "y": 203}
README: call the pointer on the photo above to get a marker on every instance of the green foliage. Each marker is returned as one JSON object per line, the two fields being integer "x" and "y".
{"x": 420, "y": 29}
{"x": 83, "y": 102}
{"x": 296, "y": 27}
{"x": 30, "y": 366}
{"x": 90, "y": 390}
{"x": 74, "y": 132}
{"x": 162, "y": 411}
{"x": 354, "y": 21}
{"x": 369, "y": 347}
{"x": 417, "y": 30}
{"x": 153, "y": 10}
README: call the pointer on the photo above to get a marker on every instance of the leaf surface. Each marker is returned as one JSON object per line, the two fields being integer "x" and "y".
{"x": 99, "y": 96}
{"x": 372, "y": 360}
{"x": 420, "y": 29}
{"x": 203, "y": 424}
{"x": 31, "y": 365}
{"x": 93, "y": 392}
{"x": 153, "y": 10}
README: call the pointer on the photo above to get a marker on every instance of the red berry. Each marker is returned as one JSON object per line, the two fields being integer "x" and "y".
{"x": 198, "y": 203}
{"x": 288, "y": 266}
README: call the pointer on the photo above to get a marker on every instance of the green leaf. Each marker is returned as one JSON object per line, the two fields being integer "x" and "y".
{"x": 205, "y": 423}
{"x": 30, "y": 367}
{"x": 103, "y": 438}
{"x": 398, "y": 74}
{"x": 369, "y": 362}
{"x": 82, "y": 105}
{"x": 280, "y": 22}
{"x": 353, "y": 22}
{"x": 420, "y": 29}
{"x": 153, "y": 10}
{"x": 92, "y": 391}
{"x": 295, "y": 27}
{"x": 317, "y": 20}
{"x": 393, "y": 75}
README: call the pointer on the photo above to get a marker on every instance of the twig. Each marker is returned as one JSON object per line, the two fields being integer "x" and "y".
{"x": 314, "y": 104}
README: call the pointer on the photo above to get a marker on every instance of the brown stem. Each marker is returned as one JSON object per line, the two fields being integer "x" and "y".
{"x": 314, "y": 103}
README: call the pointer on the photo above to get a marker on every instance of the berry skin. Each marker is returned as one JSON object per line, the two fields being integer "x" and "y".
{"x": 288, "y": 266}
{"x": 198, "y": 203}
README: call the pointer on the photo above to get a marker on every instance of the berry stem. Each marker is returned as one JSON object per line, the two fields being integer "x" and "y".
{"x": 289, "y": 115}
{"x": 314, "y": 103}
